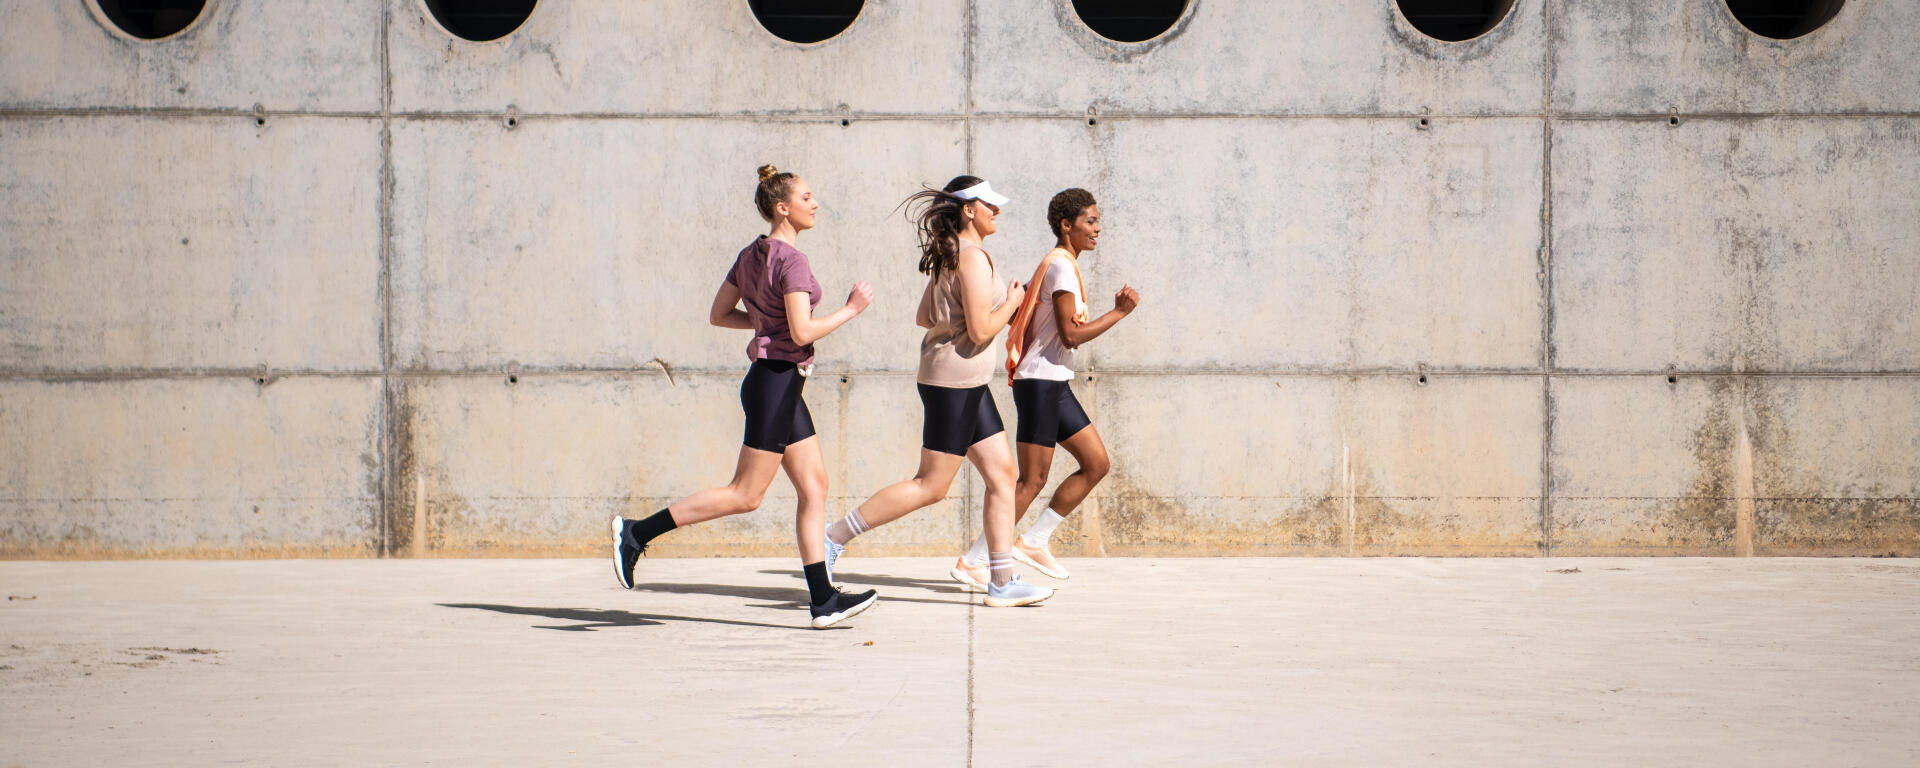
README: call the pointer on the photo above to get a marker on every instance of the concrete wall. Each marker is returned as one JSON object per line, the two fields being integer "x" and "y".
{"x": 321, "y": 278}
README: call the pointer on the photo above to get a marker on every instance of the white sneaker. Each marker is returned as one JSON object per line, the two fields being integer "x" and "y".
{"x": 975, "y": 577}
{"x": 1016, "y": 592}
{"x": 833, "y": 551}
{"x": 1039, "y": 558}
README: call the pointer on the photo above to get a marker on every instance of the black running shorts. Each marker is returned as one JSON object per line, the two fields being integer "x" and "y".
{"x": 957, "y": 418}
{"x": 776, "y": 415}
{"x": 1049, "y": 413}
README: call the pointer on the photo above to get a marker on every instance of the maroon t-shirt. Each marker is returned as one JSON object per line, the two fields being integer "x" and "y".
{"x": 765, "y": 273}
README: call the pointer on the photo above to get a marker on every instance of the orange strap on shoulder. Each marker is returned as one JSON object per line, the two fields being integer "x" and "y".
{"x": 1020, "y": 329}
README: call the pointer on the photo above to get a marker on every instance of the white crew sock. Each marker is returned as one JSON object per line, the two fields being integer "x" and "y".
{"x": 850, "y": 526}
{"x": 1042, "y": 529}
{"x": 976, "y": 554}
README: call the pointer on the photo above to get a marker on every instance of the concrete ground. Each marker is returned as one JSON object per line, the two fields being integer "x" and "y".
{"x": 1242, "y": 661}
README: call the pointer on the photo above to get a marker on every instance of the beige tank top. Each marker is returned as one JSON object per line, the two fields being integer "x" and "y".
{"x": 947, "y": 357}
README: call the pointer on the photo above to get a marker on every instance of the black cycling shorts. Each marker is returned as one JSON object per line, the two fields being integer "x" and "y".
{"x": 1049, "y": 413}
{"x": 776, "y": 415}
{"x": 957, "y": 418}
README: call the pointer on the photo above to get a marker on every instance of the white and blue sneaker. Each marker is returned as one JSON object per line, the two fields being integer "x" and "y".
{"x": 1016, "y": 592}
{"x": 834, "y": 550}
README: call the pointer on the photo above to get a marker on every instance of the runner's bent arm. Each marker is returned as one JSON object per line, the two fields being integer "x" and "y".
{"x": 807, "y": 329}
{"x": 726, "y": 311}
{"x": 1075, "y": 334}
{"x": 924, "y": 316}
{"x": 976, "y": 290}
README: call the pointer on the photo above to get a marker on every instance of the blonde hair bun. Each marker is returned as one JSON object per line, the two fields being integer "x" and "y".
{"x": 768, "y": 171}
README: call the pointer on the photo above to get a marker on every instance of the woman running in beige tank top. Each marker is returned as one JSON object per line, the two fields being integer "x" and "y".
{"x": 964, "y": 307}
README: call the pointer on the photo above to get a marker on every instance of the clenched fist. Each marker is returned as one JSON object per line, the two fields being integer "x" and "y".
{"x": 861, "y": 296}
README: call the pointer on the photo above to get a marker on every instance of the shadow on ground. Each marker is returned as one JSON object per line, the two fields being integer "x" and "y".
{"x": 597, "y": 618}
{"x": 942, "y": 586}
{"x": 783, "y": 598}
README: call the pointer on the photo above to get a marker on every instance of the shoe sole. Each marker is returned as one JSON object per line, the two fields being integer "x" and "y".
{"x": 1015, "y": 602}
{"x": 967, "y": 581}
{"x": 822, "y": 622}
{"x": 619, "y": 568}
{"x": 1056, "y": 573}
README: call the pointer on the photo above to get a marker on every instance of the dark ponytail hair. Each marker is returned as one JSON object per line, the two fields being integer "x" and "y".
{"x": 1067, "y": 206}
{"x": 936, "y": 212}
{"x": 775, "y": 186}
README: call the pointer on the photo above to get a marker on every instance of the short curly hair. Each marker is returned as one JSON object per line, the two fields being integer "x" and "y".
{"x": 1067, "y": 206}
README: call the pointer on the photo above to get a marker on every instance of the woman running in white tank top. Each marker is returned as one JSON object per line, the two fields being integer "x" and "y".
{"x": 1040, "y": 347}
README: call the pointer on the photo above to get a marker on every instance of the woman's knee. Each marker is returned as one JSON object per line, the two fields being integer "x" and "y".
{"x": 748, "y": 499}
{"x": 1033, "y": 478}
{"x": 1095, "y": 467}
{"x": 811, "y": 489}
{"x": 929, "y": 491}
{"x": 998, "y": 479}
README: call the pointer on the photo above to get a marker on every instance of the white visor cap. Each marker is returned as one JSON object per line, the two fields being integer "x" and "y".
{"x": 982, "y": 192}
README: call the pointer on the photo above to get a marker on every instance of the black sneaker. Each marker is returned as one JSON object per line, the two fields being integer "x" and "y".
{"x": 842, "y": 605}
{"x": 626, "y": 551}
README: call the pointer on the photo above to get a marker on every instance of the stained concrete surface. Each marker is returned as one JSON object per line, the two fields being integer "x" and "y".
{"x": 501, "y": 253}
{"x": 113, "y": 467}
{"x": 1243, "y": 661}
{"x": 125, "y": 255}
{"x": 681, "y": 56}
{"x": 1655, "y": 56}
{"x": 235, "y": 56}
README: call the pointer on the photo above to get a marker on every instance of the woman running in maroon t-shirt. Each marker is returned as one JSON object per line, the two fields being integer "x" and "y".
{"x": 775, "y": 283}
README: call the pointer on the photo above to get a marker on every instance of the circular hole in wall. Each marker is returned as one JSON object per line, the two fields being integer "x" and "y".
{"x": 152, "y": 19}
{"x": 1784, "y": 19}
{"x": 481, "y": 20}
{"x": 805, "y": 21}
{"x": 1454, "y": 20}
{"x": 1129, "y": 21}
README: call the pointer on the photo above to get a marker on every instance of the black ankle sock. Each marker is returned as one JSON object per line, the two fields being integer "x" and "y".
{"x": 649, "y": 529}
{"x": 818, "y": 588}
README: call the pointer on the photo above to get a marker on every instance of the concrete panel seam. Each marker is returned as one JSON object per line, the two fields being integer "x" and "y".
{"x": 1722, "y": 115}
{"x": 806, "y": 115}
{"x": 388, "y": 430}
{"x": 836, "y": 115}
{"x": 1546, "y": 286}
{"x": 246, "y": 112}
{"x": 154, "y": 374}
{"x": 966, "y": 79}
{"x": 966, "y": 127}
